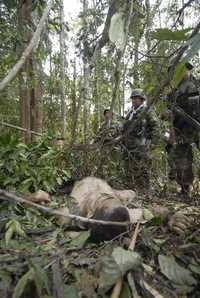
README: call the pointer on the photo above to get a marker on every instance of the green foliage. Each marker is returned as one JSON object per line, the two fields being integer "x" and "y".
{"x": 31, "y": 167}
{"x": 167, "y": 34}
{"x": 13, "y": 228}
{"x": 178, "y": 73}
{"x": 180, "y": 276}
{"x": 116, "y": 266}
{"x": 35, "y": 275}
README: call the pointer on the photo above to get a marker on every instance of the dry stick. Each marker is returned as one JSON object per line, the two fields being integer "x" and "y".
{"x": 29, "y": 48}
{"x": 118, "y": 286}
{"x": 20, "y": 128}
{"x": 132, "y": 247}
{"x": 6, "y": 196}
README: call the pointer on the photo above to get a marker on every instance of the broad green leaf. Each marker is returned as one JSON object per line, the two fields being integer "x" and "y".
{"x": 117, "y": 265}
{"x": 178, "y": 73}
{"x": 181, "y": 277}
{"x": 23, "y": 281}
{"x": 116, "y": 30}
{"x": 195, "y": 268}
{"x": 126, "y": 259}
{"x": 148, "y": 215}
{"x": 5, "y": 277}
{"x": 125, "y": 293}
{"x": 81, "y": 239}
{"x": 8, "y": 235}
{"x": 41, "y": 279}
{"x": 109, "y": 274}
{"x": 167, "y": 34}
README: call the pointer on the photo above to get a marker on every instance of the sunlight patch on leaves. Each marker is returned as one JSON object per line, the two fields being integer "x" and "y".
{"x": 167, "y": 34}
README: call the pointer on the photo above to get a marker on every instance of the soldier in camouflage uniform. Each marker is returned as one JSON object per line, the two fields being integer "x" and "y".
{"x": 108, "y": 130}
{"x": 140, "y": 133}
{"x": 186, "y": 96}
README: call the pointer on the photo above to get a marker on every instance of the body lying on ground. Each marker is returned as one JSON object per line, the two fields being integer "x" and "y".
{"x": 96, "y": 199}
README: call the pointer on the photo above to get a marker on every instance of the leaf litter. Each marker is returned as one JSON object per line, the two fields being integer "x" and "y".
{"x": 164, "y": 263}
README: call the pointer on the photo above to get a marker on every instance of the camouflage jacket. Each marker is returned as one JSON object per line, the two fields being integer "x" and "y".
{"x": 186, "y": 96}
{"x": 107, "y": 132}
{"x": 141, "y": 129}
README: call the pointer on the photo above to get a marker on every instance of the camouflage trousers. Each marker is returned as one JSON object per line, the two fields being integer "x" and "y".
{"x": 137, "y": 169}
{"x": 180, "y": 159}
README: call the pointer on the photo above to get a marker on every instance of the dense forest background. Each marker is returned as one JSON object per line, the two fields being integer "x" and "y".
{"x": 61, "y": 74}
{"x": 58, "y": 74}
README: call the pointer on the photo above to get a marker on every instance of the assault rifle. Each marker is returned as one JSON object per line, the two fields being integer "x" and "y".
{"x": 189, "y": 119}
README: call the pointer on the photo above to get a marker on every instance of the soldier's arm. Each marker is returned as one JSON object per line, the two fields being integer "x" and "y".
{"x": 153, "y": 128}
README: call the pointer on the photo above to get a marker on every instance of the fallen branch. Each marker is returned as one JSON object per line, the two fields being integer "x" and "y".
{"x": 29, "y": 48}
{"x": 20, "y": 128}
{"x": 6, "y": 196}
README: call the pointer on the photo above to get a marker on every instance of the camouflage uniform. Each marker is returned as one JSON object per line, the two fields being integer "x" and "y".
{"x": 139, "y": 134}
{"x": 185, "y": 134}
{"x": 107, "y": 132}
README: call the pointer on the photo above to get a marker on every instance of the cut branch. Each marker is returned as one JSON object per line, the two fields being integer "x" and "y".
{"x": 20, "y": 128}
{"x": 33, "y": 43}
{"x": 6, "y": 196}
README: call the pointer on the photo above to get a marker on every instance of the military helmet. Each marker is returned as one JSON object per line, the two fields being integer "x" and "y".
{"x": 138, "y": 93}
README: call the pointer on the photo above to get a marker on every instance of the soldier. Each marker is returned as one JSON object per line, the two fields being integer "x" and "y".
{"x": 140, "y": 132}
{"x": 185, "y": 97}
{"x": 108, "y": 130}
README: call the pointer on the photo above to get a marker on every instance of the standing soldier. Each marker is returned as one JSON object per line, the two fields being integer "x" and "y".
{"x": 108, "y": 130}
{"x": 140, "y": 133}
{"x": 184, "y": 101}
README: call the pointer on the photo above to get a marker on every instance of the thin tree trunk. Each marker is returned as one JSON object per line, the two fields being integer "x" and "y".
{"x": 86, "y": 76}
{"x": 62, "y": 71}
{"x": 24, "y": 94}
{"x": 75, "y": 106}
{"x": 33, "y": 43}
{"x": 120, "y": 54}
{"x": 136, "y": 63}
{"x": 36, "y": 97}
{"x": 50, "y": 98}
{"x": 148, "y": 24}
{"x": 24, "y": 105}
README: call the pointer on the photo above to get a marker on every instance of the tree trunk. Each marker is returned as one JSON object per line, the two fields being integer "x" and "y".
{"x": 24, "y": 94}
{"x": 36, "y": 98}
{"x": 136, "y": 80}
{"x": 62, "y": 71}
{"x": 24, "y": 105}
{"x": 86, "y": 77}
{"x": 148, "y": 24}
{"x": 120, "y": 55}
{"x": 75, "y": 107}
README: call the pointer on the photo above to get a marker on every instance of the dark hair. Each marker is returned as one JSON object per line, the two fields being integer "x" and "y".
{"x": 66, "y": 187}
{"x": 105, "y": 111}
{"x": 107, "y": 232}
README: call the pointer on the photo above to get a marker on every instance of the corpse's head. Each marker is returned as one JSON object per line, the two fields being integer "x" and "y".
{"x": 101, "y": 232}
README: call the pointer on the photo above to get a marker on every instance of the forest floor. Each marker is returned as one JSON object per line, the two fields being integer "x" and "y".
{"x": 38, "y": 258}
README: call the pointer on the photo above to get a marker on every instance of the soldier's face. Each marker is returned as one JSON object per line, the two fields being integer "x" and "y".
{"x": 136, "y": 102}
{"x": 108, "y": 115}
